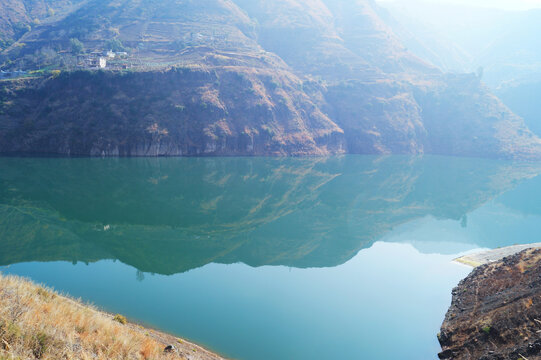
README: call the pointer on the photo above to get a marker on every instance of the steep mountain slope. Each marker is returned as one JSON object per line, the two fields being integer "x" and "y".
{"x": 230, "y": 97}
{"x": 463, "y": 117}
{"x": 424, "y": 40}
{"x": 515, "y": 54}
{"x": 335, "y": 39}
{"x": 182, "y": 111}
{"x": 18, "y": 16}
{"x": 504, "y": 44}
{"x": 522, "y": 97}
{"x": 260, "y": 78}
{"x": 495, "y": 311}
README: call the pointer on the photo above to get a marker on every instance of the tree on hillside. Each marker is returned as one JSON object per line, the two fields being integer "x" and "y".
{"x": 115, "y": 45}
{"x": 76, "y": 46}
{"x": 20, "y": 29}
{"x": 46, "y": 56}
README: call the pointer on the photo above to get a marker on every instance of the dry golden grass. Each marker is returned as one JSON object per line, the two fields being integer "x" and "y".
{"x": 37, "y": 323}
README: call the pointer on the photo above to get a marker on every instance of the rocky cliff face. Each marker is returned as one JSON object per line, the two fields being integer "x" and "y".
{"x": 496, "y": 312}
{"x": 182, "y": 111}
{"x": 462, "y": 117}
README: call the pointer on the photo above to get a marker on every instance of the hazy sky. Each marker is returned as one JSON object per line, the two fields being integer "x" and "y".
{"x": 500, "y": 4}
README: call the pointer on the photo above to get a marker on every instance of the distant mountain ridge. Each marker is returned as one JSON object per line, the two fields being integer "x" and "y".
{"x": 503, "y": 45}
{"x": 223, "y": 77}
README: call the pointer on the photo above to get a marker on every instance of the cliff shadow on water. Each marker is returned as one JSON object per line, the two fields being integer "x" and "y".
{"x": 170, "y": 215}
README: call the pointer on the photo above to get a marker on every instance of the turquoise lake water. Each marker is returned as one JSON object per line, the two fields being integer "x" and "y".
{"x": 267, "y": 258}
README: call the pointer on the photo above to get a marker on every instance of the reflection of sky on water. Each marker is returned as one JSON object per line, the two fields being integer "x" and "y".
{"x": 491, "y": 226}
{"x": 386, "y": 302}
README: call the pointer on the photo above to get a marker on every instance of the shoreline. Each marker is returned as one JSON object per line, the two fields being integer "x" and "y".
{"x": 36, "y": 322}
{"x": 472, "y": 315}
{"x": 485, "y": 257}
{"x": 43, "y": 297}
{"x": 186, "y": 348}
{"x": 495, "y": 310}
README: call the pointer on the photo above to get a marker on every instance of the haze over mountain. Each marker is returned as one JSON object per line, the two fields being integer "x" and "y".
{"x": 505, "y": 44}
{"x": 223, "y": 77}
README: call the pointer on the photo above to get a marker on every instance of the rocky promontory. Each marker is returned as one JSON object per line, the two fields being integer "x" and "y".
{"x": 496, "y": 312}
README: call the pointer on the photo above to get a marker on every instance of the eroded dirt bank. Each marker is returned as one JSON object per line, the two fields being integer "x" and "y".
{"x": 496, "y": 312}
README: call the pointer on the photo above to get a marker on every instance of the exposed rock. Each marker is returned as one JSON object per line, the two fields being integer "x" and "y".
{"x": 496, "y": 312}
{"x": 178, "y": 112}
{"x": 169, "y": 349}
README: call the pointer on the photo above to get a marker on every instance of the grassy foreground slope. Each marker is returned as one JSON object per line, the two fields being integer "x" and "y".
{"x": 37, "y": 323}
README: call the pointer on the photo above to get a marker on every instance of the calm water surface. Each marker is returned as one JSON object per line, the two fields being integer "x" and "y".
{"x": 346, "y": 257}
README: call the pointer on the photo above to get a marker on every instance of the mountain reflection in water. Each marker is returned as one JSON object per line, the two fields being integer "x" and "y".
{"x": 170, "y": 215}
